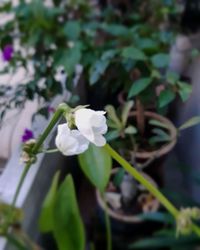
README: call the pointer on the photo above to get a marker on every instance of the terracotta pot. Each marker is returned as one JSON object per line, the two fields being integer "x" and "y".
{"x": 127, "y": 219}
{"x": 166, "y": 148}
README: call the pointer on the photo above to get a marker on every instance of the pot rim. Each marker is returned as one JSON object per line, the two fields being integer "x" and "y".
{"x": 166, "y": 148}
{"x": 124, "y": 218}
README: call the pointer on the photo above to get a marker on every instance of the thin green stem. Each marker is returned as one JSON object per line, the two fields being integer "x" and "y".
{"x": 57, "y": 115}
{"x": 108, "y": 225}
{"x": 50, "y": 151}
{"x": 140, "y": 178}
{"x": 48, "y": 129}
{"x": 21, "y": 181}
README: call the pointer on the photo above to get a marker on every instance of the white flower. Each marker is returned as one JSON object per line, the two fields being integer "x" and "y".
{"x": 92, "y": 125}
{"x": 70, "y": 142}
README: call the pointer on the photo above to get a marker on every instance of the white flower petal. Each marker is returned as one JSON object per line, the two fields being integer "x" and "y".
{"x": 92, "y": 125}
{"x": 99, "y": 140}
{"x": 70, "y": 142}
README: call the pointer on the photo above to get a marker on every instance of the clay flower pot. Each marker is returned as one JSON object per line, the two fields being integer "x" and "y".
{"x": 165, "y": 148}
{"x": 122, "y": 217}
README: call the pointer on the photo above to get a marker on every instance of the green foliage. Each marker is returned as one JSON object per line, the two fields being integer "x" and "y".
{"x": 160, "y": 60}
{"x": 68, "y": 227}
{"x": 100, "y": 66}
{"x": 133, "y": 53}
{"x": 183, "y": 243}
{"x": 60, "y": 215}
{"x": 118, "y": 177}
{"x": 158, "y": 123}
{"x": 138, "y": 86}
{"x": 184, "y": 91}
{"x": 165, "y": 97}
{"x": 72, "y": 30}
{"x": 119, "y": 122}
{"x": 160, "y": 136}
{"x": 190, "y": 123}
{"x": 96, "y": 164}
{"x": 68, "y": 58}
{"x": 46, "y": 221}
{"x": 73, "y": 33}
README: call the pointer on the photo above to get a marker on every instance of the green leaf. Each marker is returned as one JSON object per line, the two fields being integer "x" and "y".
{"x": 157, "y": 139}
{"x": 161, "y": 136}
{"x": 147, "y": 43}
{"x": 68, "y": 226}
{"x": 165, "y": 97}
{"x": 100, "y": 66}
{"x": 118, "y": 177}
{"x": 161, "y": 133}
{"x": 165, "y": 242}
{"x": 111, "y": 113}
{"x": 116, "y": 29}
{"x": 133, "y": 53}
{"x": 111, "y": 135}
{"x": 155, "y": 74}
{"x": 72, "y": 30}
{"x": 109, "y": 54}
{"x": 185, "y": 90}
{"x": 138, "y": 86}
{"x": 172, "y": 77}
{"x": 68, "y": 58}
{"x": 97, "y": 70}
{"x": 158, "y": 123}
{"x": 46, "y": 217}
{"x": 96, "y": 164}
{"x": 160, "y": 60}
{"x": 195, "y": 53}
{"x": 190, "y": 123}
{"x": 125, "y": 111}
{"x": 130, "y": 130}
{"x": 158, "y": 216}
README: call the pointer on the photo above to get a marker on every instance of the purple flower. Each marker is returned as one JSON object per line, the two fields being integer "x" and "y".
{"x": 51, "y": 109}
{"x": 28, "y": 134}
{"x": 7, "y": 53}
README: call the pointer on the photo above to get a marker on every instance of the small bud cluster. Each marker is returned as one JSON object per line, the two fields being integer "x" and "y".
{"x": 27, "y": 155}
{"x": 184, "y": 220}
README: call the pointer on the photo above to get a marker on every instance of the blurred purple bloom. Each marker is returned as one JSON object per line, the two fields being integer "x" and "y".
{"x": 51, "y": 109}
{"x": 28, "y": 134}
{"x": 7, "y": 53}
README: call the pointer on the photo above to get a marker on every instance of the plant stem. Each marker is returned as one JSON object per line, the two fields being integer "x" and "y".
{"x": 139, "y": 177}
{"x": 57, "y": 115}
{"x": 21, "y": 181}
{"x": 50, "y": 151}
{"x": 108, "y": 225}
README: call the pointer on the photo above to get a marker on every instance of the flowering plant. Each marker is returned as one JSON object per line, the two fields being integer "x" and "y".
{"x": 78, "y": 39}
{"x": 87, "y": 139}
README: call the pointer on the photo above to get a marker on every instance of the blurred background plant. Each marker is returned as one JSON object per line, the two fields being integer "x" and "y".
{"x": 52, "y": 44}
